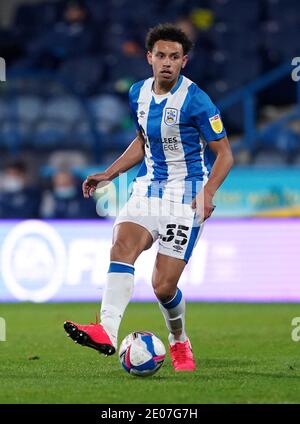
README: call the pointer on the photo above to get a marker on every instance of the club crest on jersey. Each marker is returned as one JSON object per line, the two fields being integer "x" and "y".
{"x": 216, "y": 124}
{"x": 171, "y": 116}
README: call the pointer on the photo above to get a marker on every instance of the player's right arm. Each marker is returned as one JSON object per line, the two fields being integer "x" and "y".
{"x": 131, "y": 157}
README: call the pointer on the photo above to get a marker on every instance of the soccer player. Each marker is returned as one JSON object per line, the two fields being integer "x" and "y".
{"x": 186, "y": 157}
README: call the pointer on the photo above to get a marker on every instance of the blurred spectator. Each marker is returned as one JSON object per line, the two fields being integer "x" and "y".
{"x": 18, "y": 197}
{"x": 72, "y": 37}
{"x": 66, "y": 200}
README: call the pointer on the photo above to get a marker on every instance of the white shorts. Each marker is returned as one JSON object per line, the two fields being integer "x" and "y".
{"x": 173, "y": 224}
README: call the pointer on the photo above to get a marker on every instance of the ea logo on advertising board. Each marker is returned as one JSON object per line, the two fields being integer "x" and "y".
{"x": 33, "y": 261}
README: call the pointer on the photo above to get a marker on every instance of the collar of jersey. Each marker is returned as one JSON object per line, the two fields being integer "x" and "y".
{"x": 176, "y": 86}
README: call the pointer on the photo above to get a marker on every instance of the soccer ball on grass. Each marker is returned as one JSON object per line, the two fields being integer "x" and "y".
{"x": 142, "y": 353}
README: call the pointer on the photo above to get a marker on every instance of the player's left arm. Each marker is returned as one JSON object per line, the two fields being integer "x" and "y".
{"x": 206, "y": 118}
{"x": 221, "y": 167}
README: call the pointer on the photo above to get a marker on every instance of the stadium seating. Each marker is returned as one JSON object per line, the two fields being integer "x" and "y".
{"x": 281, "y": 138}
{"x": 63, "y": 108}
{"x": 108, "y": 111}
{"x": 50, "y": 134}
{"x": 269, "y": 158}
{"x": 31, "y": 19}
{"x": 74, "y": 73}
{"x": 82, "y": 102}
{"x": 245, "y": 12}
{"x": 27, "y": 108}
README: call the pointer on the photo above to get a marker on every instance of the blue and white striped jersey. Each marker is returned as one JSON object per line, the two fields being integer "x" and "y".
{"x": 176, "y": 127}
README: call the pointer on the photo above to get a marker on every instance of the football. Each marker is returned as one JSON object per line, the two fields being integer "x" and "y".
{"x": 142, "y": 353}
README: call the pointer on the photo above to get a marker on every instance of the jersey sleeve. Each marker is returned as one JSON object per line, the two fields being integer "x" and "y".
{"x": 133, "y": 106}
{"x": 206, "y": 116}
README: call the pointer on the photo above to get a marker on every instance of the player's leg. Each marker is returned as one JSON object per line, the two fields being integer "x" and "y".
{"x": 166, "y": 274}
{"x": 179, "y": 233}
{"x": 129, "y": 240}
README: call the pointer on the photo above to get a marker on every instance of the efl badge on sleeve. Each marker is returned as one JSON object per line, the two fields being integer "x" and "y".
{"x": 171, "y": 116}
{"x": 216, "y": 124}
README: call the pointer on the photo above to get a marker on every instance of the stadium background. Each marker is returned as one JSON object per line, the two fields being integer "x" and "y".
{"x": 64, "y": 115}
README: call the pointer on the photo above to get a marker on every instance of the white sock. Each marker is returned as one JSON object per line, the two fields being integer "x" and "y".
{"x": 174, "y": 314}
{"x": 116, "y": 296}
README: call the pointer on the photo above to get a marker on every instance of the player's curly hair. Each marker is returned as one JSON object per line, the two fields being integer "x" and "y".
{"x": 168, "y": 32}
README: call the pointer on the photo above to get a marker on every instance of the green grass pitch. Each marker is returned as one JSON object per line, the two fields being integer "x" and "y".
{"x": 244, "y": 354}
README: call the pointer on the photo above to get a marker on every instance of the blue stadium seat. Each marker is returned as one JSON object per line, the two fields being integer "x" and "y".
{"x": 31, "y": 19}
{"x": 235, "y": 67}
{"x": 197, "y": 68}
{"x": 120, "y": 140}
{"x": 108, "y": 111}
{"x": 130, "y": 11}
{"x": 282, "y": 138}
{"x": 120, "y": 67}
{"x": 49, "y": 134}
{"x": 4, "y": 109}
{"x": 25, "y": 21}
{"x": 64, "y": 108}
{"x": 283, "y": 10}
{"x": 226, "y": 36}
{"x": 82, "y": 135}
{"x": 281, "y": 39}
{"x": 287, "y": 140}
{"x": 115, "y": 35}
{"x": 74, "y": 73}
{"x": 99, "y": 10}
{"x": 47, "y": 13}
{"x": 27, "y": 108}
{"x": 218, "y": 88}
{"x": 14, "y": 134}
{"x": 67, "y": 158}
{"x": 179, "y": 8}
{"x": 269, "y": 157}
{"x": 246, "y": 11}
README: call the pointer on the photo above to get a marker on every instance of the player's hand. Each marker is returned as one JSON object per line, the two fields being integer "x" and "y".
{"x": 92, "y": 182}
{"x": 203, "y": 203}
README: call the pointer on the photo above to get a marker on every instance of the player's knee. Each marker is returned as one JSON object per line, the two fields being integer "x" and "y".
{"x": 122, "y": 251}
{"x": 163, "y": 289}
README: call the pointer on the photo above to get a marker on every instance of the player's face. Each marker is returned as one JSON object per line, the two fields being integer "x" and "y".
{"x": 167, "y": 60}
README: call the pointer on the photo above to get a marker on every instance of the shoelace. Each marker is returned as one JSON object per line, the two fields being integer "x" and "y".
{"x": 182, "y": 352}
{"x": 97, "y": 320}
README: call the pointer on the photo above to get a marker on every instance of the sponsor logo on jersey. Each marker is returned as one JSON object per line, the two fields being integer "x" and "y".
{"x": 216, "y": 124}
{"x": 171, "y": 115}
{"x": 170, "y": 143}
